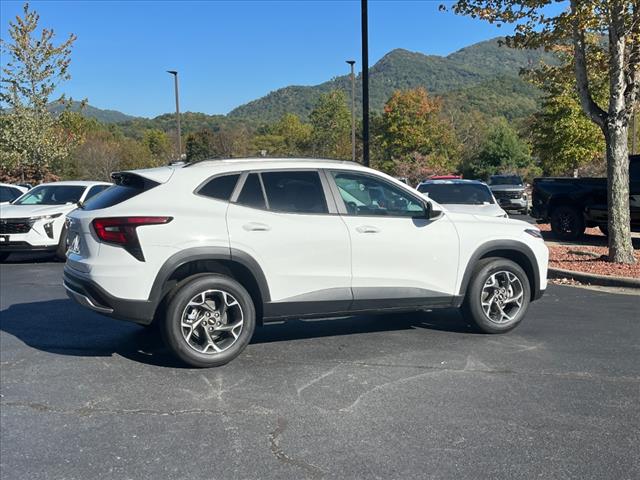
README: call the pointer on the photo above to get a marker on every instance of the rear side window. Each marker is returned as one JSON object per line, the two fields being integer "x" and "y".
{"x": 220, "y": 188}
{"x": 251, "y": 194}
{"x": 294, "y": 192}
{"x": 127, "y": 186}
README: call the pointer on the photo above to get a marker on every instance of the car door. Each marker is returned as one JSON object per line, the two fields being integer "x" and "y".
{"x": 399, "y": 257}
{"x": 286, "y": 222}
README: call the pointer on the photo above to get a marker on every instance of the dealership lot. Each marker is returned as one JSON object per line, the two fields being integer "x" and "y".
{"x": 396, "y": 396}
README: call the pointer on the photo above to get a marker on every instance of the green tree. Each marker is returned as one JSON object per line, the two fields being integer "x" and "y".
{"x": 200, "y": 145}
{"x": 159, "y": 145}
{"x": 331, "y": 126}
{"x": 617, "y": 21}
{"x": 414, "y": 138}
{"x": 288, "y": 137}
{"x": 563, "y": 138}
{"x": 502, "y": 152}
{"x": 30, "y": 137}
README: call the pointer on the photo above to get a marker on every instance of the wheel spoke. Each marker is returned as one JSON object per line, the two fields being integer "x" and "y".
{"x": 501, "y": 296}
{"x": 200, "y": 316}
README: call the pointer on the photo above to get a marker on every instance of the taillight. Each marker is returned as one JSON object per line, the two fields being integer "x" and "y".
{"x": 122, "y": 231}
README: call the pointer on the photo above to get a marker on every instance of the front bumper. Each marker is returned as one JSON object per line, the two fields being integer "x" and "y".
{"x": 513, "y": 203}
{"x": 90, "y": 295}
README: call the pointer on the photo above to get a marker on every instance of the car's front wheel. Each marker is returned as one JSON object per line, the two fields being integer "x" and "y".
{"x": 497, "y": 296}
{"x": 209, "y": 321}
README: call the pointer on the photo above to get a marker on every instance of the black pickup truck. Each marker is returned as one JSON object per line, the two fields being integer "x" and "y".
{"x": 572, "y": 204}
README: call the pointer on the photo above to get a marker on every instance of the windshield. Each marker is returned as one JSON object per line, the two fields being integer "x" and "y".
{"x": 51, "y": 195}
{"x": 505, "y": 180}
{"x": 457, "y": 193}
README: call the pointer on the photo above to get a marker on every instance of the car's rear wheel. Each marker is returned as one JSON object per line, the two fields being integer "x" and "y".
{"x": 209, "y": 321}
{"x": 498, "y": 295}
{"x": 567, "y": 223}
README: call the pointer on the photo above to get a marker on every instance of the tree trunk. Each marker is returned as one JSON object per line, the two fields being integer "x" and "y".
{"x": 619, "y": 222}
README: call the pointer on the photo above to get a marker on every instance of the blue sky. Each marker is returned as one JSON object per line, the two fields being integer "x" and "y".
{"x": 229, "y": 53}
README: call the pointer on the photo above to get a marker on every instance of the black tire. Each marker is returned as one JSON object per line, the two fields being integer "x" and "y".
{"x": 567, "y": 223}
{"x": 61, "y": 251}
{"x": 472, "y": 307}
{"x": 604, "y": 229}
{"x": 4, "y": 256}
{"x": 171, "y": 329}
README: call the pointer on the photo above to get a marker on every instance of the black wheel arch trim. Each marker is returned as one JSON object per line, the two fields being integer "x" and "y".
{"x": 159, "y": 288}
{"x": 498, "y": 246}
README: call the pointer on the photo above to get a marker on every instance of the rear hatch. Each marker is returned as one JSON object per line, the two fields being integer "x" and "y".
{"x": 82, "y": 241}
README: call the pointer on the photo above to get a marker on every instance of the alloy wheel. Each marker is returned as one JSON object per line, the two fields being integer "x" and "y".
{"x": 212, "y": 322}
{"x": 502, "y": 297}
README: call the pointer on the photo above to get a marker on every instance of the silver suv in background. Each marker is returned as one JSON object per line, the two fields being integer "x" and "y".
{"x": 510, "y": 192}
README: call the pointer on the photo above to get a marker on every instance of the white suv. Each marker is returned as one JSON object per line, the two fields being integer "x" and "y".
{"x": 34, "y": 222}
{"x": 209, "y": 249}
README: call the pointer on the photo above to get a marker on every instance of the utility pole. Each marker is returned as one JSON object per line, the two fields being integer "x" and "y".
{"x": 353, "y": 111}
{"x": 365, "y": 83}
{"x": 179, "y": 135}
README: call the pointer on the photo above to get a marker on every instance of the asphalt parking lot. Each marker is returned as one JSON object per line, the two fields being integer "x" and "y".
{"x": 396, "y": 396}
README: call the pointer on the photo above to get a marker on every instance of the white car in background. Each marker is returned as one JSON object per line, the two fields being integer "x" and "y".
{"x": 463, "y": 196}
{"x": 35, "y": 221}
{"x": 8, "y": 193}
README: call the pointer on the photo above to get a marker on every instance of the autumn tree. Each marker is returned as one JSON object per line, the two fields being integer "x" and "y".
{"x": 30, "y": 137}
{"x": 331, "y": 126}
{"x": 414, "y": 138}
{"x": 617, "y": 22}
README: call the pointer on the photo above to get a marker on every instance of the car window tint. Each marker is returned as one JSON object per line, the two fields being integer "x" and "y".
{"x": 365, "y": 195}
{"x": 251, "y": 195}
{"x": 8, "y": 194}
{"x": 95, "y": 190}
{"x": 220, "y": 188}
{"x": 295, "y": 192}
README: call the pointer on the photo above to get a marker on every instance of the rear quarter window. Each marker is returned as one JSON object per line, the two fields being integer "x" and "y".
{"x": 219, "y": 188}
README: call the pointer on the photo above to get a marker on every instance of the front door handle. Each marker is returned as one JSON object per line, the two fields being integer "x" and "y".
{"x": 256, "y": 227}
{"x": 367, "y": 229}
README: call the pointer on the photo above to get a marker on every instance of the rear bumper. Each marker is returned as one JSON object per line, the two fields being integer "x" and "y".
{"x": 90, "y": 295}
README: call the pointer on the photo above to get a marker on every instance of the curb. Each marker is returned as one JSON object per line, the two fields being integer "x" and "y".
{"x": 593, "y": 279}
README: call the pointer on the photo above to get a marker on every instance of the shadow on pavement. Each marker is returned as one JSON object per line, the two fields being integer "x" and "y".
{"x": 62, "y": 327}
{"x": 18, "y": 258}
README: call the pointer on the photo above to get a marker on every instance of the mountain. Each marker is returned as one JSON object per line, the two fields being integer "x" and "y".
{"x": 104, "y": 116}
{"x": 486, "y": 74}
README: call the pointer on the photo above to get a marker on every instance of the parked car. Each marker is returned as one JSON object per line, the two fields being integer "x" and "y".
{"x": 8, "y": 192}
{"x": 463, "y": 196}
{"x": 35, "y": 221}
{"x": 248, "y": 241}
{"x": 572, "y": 204}
{"x": 510, "y": 191}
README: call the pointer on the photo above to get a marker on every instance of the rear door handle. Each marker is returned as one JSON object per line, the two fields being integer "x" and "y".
{"x": 256, "y": 227}
{"x": 367, "y": 229}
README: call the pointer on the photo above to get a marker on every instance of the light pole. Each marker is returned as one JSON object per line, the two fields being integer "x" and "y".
{"x": 353, "y": 111}
{"x": 365, "y": 83}
{"x": 179, "y": 136}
